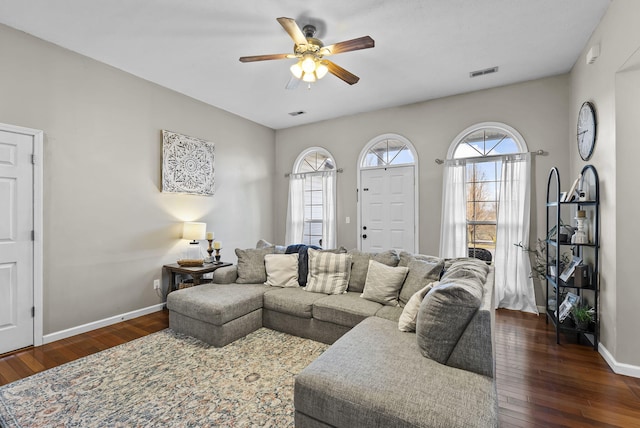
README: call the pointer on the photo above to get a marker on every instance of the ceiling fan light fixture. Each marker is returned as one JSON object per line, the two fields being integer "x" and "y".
{"x": 308, "y": 64}
{"x": 321, "y": 70}
{"x": 296, "y": 70}
{"x": 309, "y": 77}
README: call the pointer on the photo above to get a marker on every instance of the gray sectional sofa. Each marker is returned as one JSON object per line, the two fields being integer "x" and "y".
{"x": 373, "y": 375}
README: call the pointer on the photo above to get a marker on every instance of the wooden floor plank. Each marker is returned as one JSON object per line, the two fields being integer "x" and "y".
{"x": 540, "y": 383}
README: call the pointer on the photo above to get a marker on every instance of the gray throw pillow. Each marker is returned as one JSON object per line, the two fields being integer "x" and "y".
{"x": 251, "y": 268}
{"x": 279, "y": 249}
{"x": 360, "y": 266}
{"x": 444, "y": 315}
{"x": 406, "y": 257}
{"x": 383, "y": 283}
{"x": 420, "y": 274}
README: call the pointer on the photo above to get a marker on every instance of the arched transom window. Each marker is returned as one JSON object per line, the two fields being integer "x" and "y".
{"x": 388, "y": 151}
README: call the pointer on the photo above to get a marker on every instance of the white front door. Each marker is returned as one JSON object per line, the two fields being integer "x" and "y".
{"x": 16, "y": 244}
{"x": 387, "y": 209}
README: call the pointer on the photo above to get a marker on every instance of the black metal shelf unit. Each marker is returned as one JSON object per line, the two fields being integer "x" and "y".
{"x": 588, "y": 252}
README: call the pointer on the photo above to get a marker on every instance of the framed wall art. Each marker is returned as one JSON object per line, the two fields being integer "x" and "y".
{"x": 187, "y": 164}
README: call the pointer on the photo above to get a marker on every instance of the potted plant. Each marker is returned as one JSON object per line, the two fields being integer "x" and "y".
{"x": 582, "y": 315}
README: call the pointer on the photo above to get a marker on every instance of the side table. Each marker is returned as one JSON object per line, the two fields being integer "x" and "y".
{"x": 195, "y": 272}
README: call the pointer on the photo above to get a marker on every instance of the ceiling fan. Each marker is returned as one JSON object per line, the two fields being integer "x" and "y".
{"x": 310, "y": 52}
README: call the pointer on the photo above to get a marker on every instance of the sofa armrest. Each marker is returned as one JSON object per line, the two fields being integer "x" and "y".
{"x": 225, "y": 275}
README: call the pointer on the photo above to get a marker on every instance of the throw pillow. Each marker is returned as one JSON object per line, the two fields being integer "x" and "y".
{"x": 279, "y": 249}
{"x": 328, "y": 272}
{"x": 282, "y": 270}
{"x": 251, "y": 268}
{"x": 420, "y": 274}
{"x": 406, "y": 257}
{"x": 444, "y": 315}
{"x": 361, "y": 266}
{"x": 407, "y": 321}
{"x": 383, "y": 283}
{"x": 467, "y": 268}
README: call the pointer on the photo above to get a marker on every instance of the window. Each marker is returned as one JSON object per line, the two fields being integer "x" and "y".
{"x": 483, "y": 148}
{"x": 311, "y": 217}
{"x": 388, "y": 151}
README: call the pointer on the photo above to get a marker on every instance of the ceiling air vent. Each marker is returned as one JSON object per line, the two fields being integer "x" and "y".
{"x": 297, "y": 113}
{"x": 483, "y": 72}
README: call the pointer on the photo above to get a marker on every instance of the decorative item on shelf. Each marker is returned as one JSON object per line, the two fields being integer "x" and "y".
{"x": 568, "y": 272}
{"x": 571, "y": 195}
{"x": 217, "y": 245}
{"x": 582, "y": 224}
{"x": 581, "y": 276}
{"x": 194, "y": 232}
{"x": 209, "y": 259}
{"x": 583, "y": 315}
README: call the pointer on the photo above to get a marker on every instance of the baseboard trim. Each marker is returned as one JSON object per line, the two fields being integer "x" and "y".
{"x": 52, "y": 337}
{"x": 618, "y": 368}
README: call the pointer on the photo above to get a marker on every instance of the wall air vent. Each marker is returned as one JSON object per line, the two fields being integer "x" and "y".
{"x": 297, "y": 113}
{"x": 483, "y": 72}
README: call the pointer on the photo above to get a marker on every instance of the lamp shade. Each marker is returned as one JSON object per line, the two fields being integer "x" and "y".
{"x": 194, "y": 231}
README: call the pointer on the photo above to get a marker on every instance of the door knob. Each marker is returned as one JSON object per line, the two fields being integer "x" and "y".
{"x": 364, "y": 236}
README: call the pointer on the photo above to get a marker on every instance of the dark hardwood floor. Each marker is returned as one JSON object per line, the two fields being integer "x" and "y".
{"x": 540, "y": 384}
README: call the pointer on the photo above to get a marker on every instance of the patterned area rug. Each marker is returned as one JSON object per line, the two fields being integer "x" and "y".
{"x": 167, "y": 379}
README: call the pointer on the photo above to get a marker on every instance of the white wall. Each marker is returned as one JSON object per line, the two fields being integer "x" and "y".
{"x": 615, "y": 157}
{"x": 108, "y": 228}
{"x": 537, "y": 109}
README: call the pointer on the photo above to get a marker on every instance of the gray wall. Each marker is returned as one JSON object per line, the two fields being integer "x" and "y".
{"x": 610, "y": 83}
{"x": 537, "y": 109}
{"x": 108, "y": 228}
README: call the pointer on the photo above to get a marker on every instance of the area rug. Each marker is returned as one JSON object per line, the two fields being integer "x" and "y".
{"x": 167, "y": 379}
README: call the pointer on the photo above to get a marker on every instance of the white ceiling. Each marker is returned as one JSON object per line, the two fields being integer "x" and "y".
{"x": 424, "y": 49}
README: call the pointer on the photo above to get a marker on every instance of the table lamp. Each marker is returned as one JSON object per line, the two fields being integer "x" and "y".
{"x": 194, "y": 232}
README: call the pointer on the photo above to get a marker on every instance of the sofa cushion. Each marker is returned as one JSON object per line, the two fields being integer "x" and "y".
{"x": 217, "y": 303}
{"x": 406, "y": 257}
{"x": 328, "y": 272}
{"x": 344, "y": 309}
{"x": 251, "y": 268}
{"x": 466, "y": 268}
{"x": 292, "y": 301}
{"x": 282, "y": 270}
{"x": 374, "y": 376}
{"x": 391, "y": 313}
{"x": 360, "y": 266}
{"x": 383, "y": 283}
{"x": 421, "y": 273}
{"x": 278, "y": 249}
{"x": 444, "y": 315}
{"x": 407, "y": 320}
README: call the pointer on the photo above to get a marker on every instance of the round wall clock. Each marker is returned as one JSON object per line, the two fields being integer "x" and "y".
{"x": 586, "y": 130}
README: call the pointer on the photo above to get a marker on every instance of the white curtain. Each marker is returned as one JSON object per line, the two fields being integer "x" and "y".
{"x": 453, "y": 233}
{"x": 329, "y": 209}
{"x": 513, "y": 282}
{"x": 295, "y": 210}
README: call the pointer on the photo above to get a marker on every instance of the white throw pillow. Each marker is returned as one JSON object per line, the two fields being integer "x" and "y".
{"x": 282, "y": 270}
{"x": 407, "y": 321}
{"x": 383, "y": 283}
{"x": 328, "y": 272}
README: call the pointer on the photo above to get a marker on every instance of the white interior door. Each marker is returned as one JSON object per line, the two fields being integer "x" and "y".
{"x": 387, "y": 209}
{"x": 16, "y": 244}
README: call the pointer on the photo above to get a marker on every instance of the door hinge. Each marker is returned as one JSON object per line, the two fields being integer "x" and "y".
{"x": 33, "y": 235}
{"x": 33, "y": 311}
{"x": 34, "y": 159}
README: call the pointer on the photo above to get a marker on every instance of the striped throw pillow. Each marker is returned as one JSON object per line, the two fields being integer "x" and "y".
{"x": 328, "y": 272}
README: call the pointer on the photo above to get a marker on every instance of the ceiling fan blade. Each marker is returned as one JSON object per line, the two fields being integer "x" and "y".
{"x": 293, "y": 83}
{"x": 341, "y": 73}
{"x": 365, "y": 42}
{"x": 265, "y": 57}
{"x": 290, "y": 26}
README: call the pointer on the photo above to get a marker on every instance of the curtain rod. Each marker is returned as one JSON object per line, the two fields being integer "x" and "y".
{"x": 288, "y": 174}
{"x": 537, "y": 152}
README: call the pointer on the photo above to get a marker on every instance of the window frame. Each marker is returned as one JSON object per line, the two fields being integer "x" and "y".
{"x": 308, "y": 223}
{"x": 494, "y": 158}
